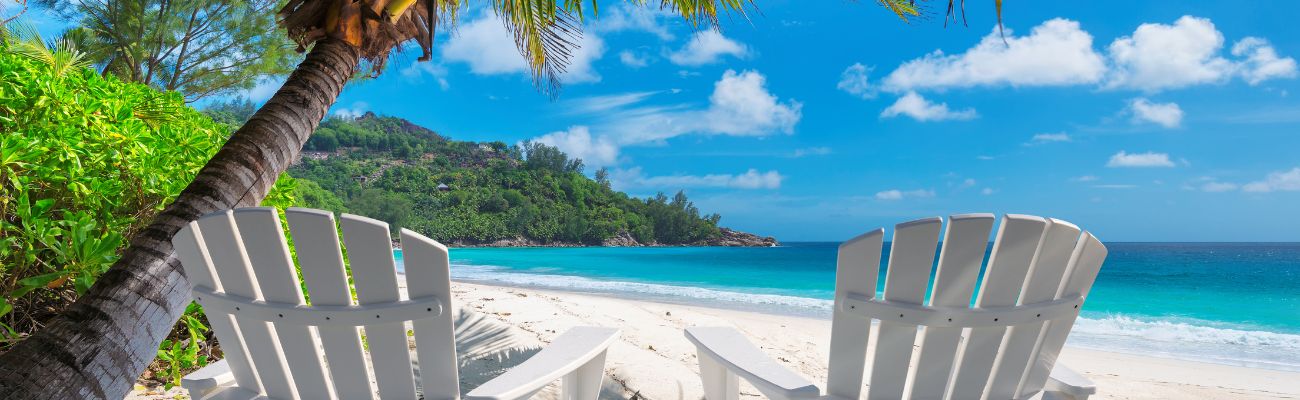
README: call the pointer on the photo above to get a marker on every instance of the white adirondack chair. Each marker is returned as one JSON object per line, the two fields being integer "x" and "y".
{"x": 1003, "y": 346}
{"x": 278, "y": 347}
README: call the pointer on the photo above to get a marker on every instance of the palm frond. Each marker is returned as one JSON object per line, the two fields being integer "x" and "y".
{"x": 546, "y": 34}
{"x": 60, "y": 56}
{"x": 902, "y": 8}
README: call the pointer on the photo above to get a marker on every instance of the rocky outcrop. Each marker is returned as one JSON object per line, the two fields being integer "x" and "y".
{"x": 734, "y": 238}
{"x": 621, "y": 239}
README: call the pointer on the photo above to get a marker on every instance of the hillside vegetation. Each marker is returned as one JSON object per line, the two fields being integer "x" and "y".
{"x": 492, "y": 193}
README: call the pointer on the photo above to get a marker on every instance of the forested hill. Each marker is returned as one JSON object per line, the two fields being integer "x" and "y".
{"x": 471, "y": 193}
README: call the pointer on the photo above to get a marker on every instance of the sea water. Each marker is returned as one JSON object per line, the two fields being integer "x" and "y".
{"x": 1229, "y": 303}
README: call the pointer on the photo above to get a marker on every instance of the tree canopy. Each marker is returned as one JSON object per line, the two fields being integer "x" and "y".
{"x": 198, "y": 48}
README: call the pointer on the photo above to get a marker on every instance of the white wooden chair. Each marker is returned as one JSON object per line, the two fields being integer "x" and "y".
{"x": 278, "y": 347}
{"x": 1004, "y": 345}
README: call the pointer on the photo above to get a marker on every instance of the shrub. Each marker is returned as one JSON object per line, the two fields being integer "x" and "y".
{"x": 87, "y": 161}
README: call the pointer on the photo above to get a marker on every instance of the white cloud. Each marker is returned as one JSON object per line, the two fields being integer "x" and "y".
{"x": 1262, "y": 62}
{"x": 988, "y": 191}
{"x": 1168, "y": 115}
{"x": 1050, "y": 137}
{"x": 1277, "y": 181}
{"x": 416, "y": 72}
{"x": 811, "y": 151}
{"x": 1148, "y": 159}
{"x": 357, "y": 109}
{"x": 707, "y": 47}
{"x": 1159, "y": 56}
{"x": 920, "y": 109}
{"x": 1115, "y": 186}
{"x": 632, "y": 18}
{"x": 602, "y": 103}
{"x": 632, "y": 60}
{"x": 1056, "y": 52}
{"x": 740, "y": 105}
{"x": 1218, "y": 187}
{"x": 577, "y": 142}
{"x": 487, "y": 47}
{"x": 751, "y": 179}
{"x": 854, "y": 81}
{"x": 1085, "y": 178}
{"x": 969, "y": 182}
{"x": 895, "y": 194}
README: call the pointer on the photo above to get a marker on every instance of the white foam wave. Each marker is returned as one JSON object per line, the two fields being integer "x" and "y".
{"x": 490, "y": 274}
{"x": 1193, "y": 341}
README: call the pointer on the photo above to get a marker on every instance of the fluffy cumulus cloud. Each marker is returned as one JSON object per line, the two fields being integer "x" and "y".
{"x": 1159, "y": 56}
{"x": 741, "y": 105}
{"x": 1189, "y": 52}
{"x": 1124, "y": 159}
{"x": 920, "y": 109}
{"x": 1277, "y": 181}
{"x": 486, "y": 46}
{"x": 577, "y": 142}
{"x": 896, "y": 194}
{"x": 1168, "y": 115}
{"x": 1057, "y": 52}
{"x": 751, "y": 179}
{"x": 1261, "y": 61}
{"x": 854, "y": 81}
{"x": 707, "y": 47}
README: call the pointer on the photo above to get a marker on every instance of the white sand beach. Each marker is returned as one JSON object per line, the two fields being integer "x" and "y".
{"x": 654, "y": 360}
{"x": 499, "y": 327}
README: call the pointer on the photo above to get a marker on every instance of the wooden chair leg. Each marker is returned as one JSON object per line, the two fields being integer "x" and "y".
{"x": 584, "y": 383}
{"x": 719, "y": 382}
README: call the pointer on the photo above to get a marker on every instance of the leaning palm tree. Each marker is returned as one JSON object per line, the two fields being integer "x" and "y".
{"x": 100, "y": 344}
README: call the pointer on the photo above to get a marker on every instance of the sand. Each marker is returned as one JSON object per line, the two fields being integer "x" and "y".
{"x": 499, "y": 327}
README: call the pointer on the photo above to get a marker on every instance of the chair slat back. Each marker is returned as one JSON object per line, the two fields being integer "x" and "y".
{"x": 319, "y": 255}
{"x": 374, "y": 273}
{"x": 1045, "y": 277}
{"x": 428, "y": 274}
{"x": 1036, "y": 266}
{"x": 226, "y": 247}
{"x": 242, "y": 258}
{"x": 856, "y": 269}
{"x": 911, "y": 257}
{"x": 964, "y": 243}
{"x": 1085, "y": 263}
{"x": 1013, "y": 251}
{"x": 194, "y": 257}
{"x": 269, "y": 256}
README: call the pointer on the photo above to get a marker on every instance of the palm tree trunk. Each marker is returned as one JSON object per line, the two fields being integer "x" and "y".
{"x": 98, "y": 346}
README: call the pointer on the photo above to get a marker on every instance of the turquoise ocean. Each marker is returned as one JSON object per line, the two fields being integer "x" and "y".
{"x": 1228, "y": 303}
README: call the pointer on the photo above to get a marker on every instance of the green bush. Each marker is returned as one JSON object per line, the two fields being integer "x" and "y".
{"x": 86, "y": 162}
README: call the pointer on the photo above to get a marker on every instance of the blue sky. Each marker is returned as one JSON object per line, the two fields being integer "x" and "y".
{"x": 1151, "y": 120}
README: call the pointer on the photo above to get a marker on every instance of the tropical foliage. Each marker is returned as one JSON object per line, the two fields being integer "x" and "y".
{"x": 85, "y": 163}
{"x": 199, "y": 48}
{"x": 390, "y": 169}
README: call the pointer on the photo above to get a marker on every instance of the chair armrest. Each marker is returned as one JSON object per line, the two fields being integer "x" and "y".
{"x": 210, "y": 377}
{"x": 733, "y": 351}
{"x": 1067, "y": 381}
{"x": 580, "y": 350}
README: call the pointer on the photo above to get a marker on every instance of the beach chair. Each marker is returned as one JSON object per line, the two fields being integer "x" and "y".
{"x": 278, "y": 347}
{"x": 1003, "y": 345}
